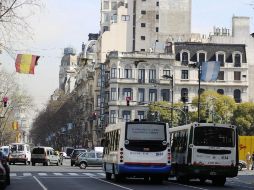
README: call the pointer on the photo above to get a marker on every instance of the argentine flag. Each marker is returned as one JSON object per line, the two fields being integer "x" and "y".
{"x": 210, "y": 71}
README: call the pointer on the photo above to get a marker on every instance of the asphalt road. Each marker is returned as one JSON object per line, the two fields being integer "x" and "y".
{"x": 73, "y": 178}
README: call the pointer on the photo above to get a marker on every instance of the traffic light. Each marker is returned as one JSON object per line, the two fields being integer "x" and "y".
{"x": 5, "y": 100}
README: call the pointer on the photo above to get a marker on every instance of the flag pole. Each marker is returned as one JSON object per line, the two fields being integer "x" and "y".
{"x": 199, "y": 76}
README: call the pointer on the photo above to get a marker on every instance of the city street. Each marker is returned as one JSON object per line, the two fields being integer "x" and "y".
{"x": 66, "y": 177}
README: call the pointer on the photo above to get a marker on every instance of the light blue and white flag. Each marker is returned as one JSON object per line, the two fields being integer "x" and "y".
{"x": 210, "y": 71}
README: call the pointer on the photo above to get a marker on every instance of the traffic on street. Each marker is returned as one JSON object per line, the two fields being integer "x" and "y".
{"x": 66, "y": 177}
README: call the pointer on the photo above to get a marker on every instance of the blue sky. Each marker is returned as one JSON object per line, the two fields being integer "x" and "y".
{"x": 65, "y": 23}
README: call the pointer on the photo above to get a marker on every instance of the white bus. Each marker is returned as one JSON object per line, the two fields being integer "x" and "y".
{"x": 204, "y": 151}
{"x": 137, "y": 149}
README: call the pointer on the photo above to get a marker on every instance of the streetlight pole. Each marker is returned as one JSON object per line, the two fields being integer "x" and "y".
{"x": 171, "y": 77}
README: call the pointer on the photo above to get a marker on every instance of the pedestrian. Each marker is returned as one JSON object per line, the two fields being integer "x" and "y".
{"x": 248, "y": 160}
{"x": 252, "y": 158}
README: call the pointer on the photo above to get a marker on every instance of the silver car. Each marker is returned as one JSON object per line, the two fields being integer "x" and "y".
{"x": 89, "y": 159}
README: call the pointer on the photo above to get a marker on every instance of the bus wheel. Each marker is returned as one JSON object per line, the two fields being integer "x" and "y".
{"x": 202, "y": 180}
{"x": 108, "y": 176}
{"x": 118, "y": 177}
{"x": 182, "y": 179}
{"x": 219, "y": 181}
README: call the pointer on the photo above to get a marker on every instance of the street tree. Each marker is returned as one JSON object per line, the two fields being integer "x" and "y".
{"x": 244, "y": 118}
{"x": 214, "y": 107}
{"x": 14, "y": 21}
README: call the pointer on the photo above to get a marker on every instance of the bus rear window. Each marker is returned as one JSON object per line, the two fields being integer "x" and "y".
{"x": 151, "y": 132}
{"x": 214, "y": 136}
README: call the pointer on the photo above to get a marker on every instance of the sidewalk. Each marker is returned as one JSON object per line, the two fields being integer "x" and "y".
{"x": 246, "y": 172}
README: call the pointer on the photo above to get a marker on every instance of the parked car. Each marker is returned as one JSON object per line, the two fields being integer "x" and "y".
{"x": 5, "y": 150}
{"x": 4, "y": 171}
{"x": 45, "y": 155}
{"x": 89, "y": 159}
{"x": 242, "y": 164}
{"x": 75, "y": 153}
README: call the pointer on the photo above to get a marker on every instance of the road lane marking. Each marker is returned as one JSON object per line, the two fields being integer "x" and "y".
{"x": 193, "y": 187}
{"x": 58, "y": 174}
{"x": 73, "y": 174}
{"x": 40, "y": 183}
{"x": 102, "y": 174}
{"x": 13, "y": 174}
{"x": 112, "y": 183}
{"x": 42, "y": 174}
{"x": 27, "y": 174}
{"x": 89, "y": 174}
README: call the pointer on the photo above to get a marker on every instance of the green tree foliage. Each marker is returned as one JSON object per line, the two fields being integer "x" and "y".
{"x": 220, "y": 107}
{"x": 164, "y": 110}
{"x": 244, "y": 118}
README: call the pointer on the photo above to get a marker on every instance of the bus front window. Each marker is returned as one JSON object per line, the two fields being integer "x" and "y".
{"x": 214, "y": 136}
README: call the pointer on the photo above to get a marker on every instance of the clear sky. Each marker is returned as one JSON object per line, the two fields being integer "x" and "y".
{"x": 65, "y": 23}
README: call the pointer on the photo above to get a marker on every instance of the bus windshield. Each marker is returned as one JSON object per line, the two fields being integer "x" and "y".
{"x": 145, "y": 132}
{"x": 214, "y": 136}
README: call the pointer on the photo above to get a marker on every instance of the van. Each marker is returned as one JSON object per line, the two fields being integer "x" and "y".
{"x": 19, "y": 153}
{"x": 44, "y": 155}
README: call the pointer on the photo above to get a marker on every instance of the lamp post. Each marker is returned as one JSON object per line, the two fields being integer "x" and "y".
{"x": 171, "y": 77}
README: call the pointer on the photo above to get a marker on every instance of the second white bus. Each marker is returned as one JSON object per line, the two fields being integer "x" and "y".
{"x": 204, "y": 151}
{"x": 137, "y": 149}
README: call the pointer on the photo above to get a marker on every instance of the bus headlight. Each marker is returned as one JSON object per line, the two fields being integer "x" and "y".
{"x": 126, "y": 142}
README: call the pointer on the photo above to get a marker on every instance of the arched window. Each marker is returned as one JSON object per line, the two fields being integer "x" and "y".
{"x": 184, "y": 95}
{"x": 185, "y": 58}
{"x": 221, "y": 59}
{"x": 201, "y": 57}
{"x": 237, "y": 96}
{"x": 220, "y": 91}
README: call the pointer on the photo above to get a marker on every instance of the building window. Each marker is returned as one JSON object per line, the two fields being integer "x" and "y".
{"x": 157, "y": 29}
{"x": 141, "y": 95}
{"x": 237, "y": 60}
{"x": 113, "y": 5}
{"x": 157, "y": 17}
{"x": 220, "y": 91}
{"x": 220, "y": 75}
{"x": 113, "y": 73}
{"x": 143, "y": 25}
{"x": 127, "y": 92}
{"x": 127, "y": 116}
{"x": 141, "y": 76}
{"x": 142, "y": 50}
{"x": 113, "y": 116}
{"x": 221, "y": 59}
{"x": 141, "y": 115}
{"x": 106, "y": 5}
{"x": 184, "y": 95}
{"x": 106, "y": 17}
{"x": 237, "y": 75}
{"x": 128, "y": 73}
{"x": 143, "y": 12}
{"x": 166, "y": 72}
{"x": 152, "y": 95}
{"x": 99, "y": 81}
{"x": 157, "y": 3}
{"x": 113, "y": 94}
{"x": 143, "y": 38}
{"x": 237, "y": 96}
{"x": 201, "y": 57}
{"x": 125, "y": 17}
{"x": 185, "y": 58}
{"x": 165, "y": 94}
{"x": 152, "y": 75}
{"x": 185, "y": 74}
{"x": 98, "y": 101}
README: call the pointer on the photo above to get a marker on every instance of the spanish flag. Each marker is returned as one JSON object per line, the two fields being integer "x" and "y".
{"x": 25, "y": 63}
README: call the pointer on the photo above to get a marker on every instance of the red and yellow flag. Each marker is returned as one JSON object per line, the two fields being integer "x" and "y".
{"x": 25, "y": 63}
